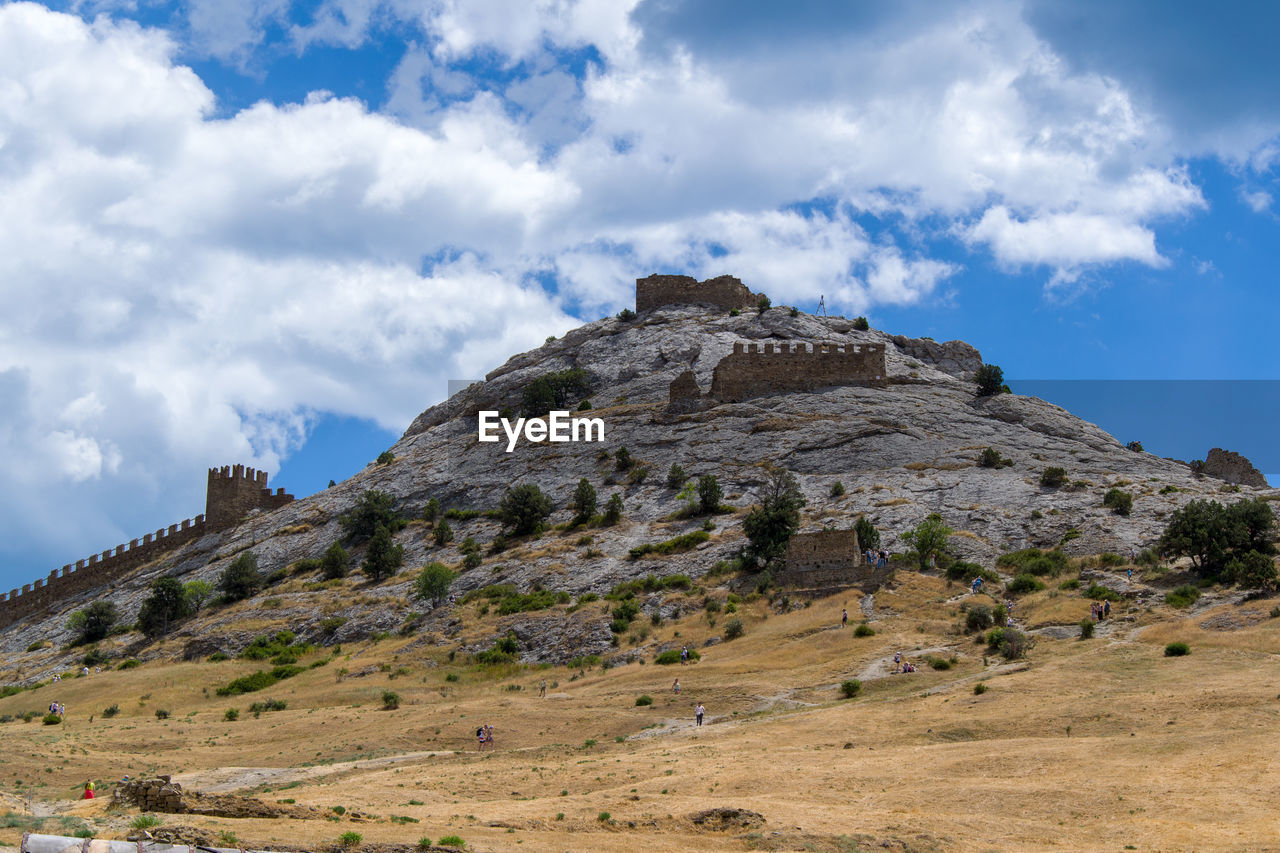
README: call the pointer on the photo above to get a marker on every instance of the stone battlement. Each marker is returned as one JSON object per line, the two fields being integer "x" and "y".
{"x": 724, "y": 292}
{"x": 752, "y": 372}
{"x": 232, "y": 493}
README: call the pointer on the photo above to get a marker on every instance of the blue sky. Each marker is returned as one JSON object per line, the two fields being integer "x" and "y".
{"x": 269, "y": 232}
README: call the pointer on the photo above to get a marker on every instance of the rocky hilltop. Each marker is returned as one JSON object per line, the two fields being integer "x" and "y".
{"x": 902, "y": 448}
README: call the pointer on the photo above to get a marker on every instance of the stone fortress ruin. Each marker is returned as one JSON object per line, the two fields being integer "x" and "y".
{"x": 755, "y": 370}
{"x": 725, "y": 292}
{"x": 233, "y": 492}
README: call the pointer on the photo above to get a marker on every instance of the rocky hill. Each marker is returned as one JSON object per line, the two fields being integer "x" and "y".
{"x": 902, "y": 449}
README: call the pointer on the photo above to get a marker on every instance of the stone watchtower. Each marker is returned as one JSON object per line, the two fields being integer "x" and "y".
{"x": 724, "y": 292}
{"x": 234, "y": 491}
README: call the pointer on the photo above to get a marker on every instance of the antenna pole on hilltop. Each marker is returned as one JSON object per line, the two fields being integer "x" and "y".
{"x": 822, "y": 305}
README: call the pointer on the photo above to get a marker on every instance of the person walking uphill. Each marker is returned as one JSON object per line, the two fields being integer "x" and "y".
{"x": 698, "y": 712}
{"x": 844, "y": 618}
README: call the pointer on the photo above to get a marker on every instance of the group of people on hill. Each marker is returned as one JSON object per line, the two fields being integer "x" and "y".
{"x": 484, "y": 734}
{"x": 879, "y": 559}
{"x": 58, "y": 708}
{"x": 1100, "y": 610}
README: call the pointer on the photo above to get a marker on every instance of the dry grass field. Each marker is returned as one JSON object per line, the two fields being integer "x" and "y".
{"x": 1100, "y": 744}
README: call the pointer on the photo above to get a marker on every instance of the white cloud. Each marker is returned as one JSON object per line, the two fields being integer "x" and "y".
{"x": 181, "y": 288}
{"x": 1259, "y": 201}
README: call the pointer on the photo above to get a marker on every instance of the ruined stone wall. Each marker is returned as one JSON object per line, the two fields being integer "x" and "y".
{"x": 828, "y": 560}
{"x": 233, "y": 491}
{"x": 724, "y": 292}
{"x": 96, "y": 571}
{"x": 749, "y": 372}
{"x": 683, "y": 395}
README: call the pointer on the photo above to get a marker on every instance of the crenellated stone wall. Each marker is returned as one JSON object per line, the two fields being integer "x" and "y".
{"x": 233, "y": 492}
{"x": 753, "y": 372}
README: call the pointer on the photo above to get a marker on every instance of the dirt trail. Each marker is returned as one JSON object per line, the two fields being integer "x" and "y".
{"x": 226, "y": 779}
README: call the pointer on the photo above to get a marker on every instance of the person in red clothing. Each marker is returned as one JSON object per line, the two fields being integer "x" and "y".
{"x": 88, "y": 791}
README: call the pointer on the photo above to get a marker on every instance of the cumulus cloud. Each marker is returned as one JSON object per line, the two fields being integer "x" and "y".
{"x": 183, "y": 287}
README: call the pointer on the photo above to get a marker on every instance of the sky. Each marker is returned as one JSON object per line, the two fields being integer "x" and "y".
{"x": 269, "y": 232}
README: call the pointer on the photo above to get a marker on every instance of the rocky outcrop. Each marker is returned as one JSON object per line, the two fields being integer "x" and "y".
{"x": 1232, "y": 467}
{"x": 954, "y": 357}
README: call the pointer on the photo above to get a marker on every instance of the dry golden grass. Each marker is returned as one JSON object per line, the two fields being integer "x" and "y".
{"x": 1088, "y": 746}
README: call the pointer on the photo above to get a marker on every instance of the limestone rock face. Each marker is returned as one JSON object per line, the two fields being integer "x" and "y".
{"x": 902, "y": 450}
{"x": 1232, "y": 467}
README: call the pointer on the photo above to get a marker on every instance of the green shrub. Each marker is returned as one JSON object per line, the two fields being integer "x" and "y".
{"x": 1121, "y": 503}
{"x": 451, "y": 841}
{"x": 990, "y": 380}
{"x": 373, "y": 509}
{"x": 676, "y": 476}
{"x": 1070, "y": 583}
{"x": 978, "y": 618}
{"x": 1024, "y": 583}
{"x": 1251, "y": 569}
{"x": 1086, "y": 629}
{"x": 1183, "y": 596}
{"x": 683, "y": 542}
{"x": 1176, "y": 650}
{"x": 1010, "y": 642}
{"x": 1053, "y": 477}
{"x": 1101, "y": 593}
{"x": 333, "y": 564}
{"x": 231, "y": 715}
{"x": 524, "y": 508}
{"x": 145, "y": 821}
{"x": 861, "y": 324}
{"x": 386, "y": 457}
{"x": 868, "y": 535}
{"x": 350, "y": 838}
{"x": 850, "y": 688}
{"x": 837, "y": 489}
{"x": 671, "y": 656}
{"x": 864, "y": 630}
{"x": 979, "y": 689}
{"x": 52, "y": 719}
{"x": 111, "y": 710}
{"x": 644, "y": 700}
{"x": 390, "y": 700}
{"x": 991, "y": 458}
{"x": 442, "y": 533}
{"x": 733, "y": 629}
{"x": 162, "y": 713}
{"x": 555, "y": 391}
{"x": 960, "y": 570}
{"x": 1034, "y": 561}
{"x": 505, "y": 650}
{"x": 265, "y": 705}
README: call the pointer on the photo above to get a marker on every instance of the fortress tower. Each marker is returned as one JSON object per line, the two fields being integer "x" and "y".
{"x": 724, "y": 292}
{"x": 234, "y": 491}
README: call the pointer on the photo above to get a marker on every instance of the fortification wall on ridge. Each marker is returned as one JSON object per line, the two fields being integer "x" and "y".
{"x": 233, "y": 491}
{"x": 725, "y": 292}
{"x": 752, "y": 372}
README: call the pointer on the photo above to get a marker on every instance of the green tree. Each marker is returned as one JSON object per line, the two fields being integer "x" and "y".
{"x": 443, "y": 533}
{"x": 555, "y": 391}
{"x": 770, "y": 523}
{"x": 383, "y": 556}
{"x": 431, "y": 511}
{"x": 868, "y": 536}
{"x": 373, "y": 509}
{"x": 241, "y": 578}
{"x": 990, "y": 379}
{"x": 333, "y": 564}
{"x": 1213, "y": 535}
{"x": 583, "y": 502}
{"x": 94, "y": 622}
{"x": 709, "y": 493}
{"x": 1119, "y": 502}
{"x": 622, "y": 459}
{"x": 524, "y": 508}
{"x": 432, "y": 583}
{"x": 928, "y": 538}
{"x": 386, "y": 457}
{"x": 197, "y": 592}
{"x": 1252, "y": 570}
{"x": 763, "y": 304}
{"x": 676, "y": 476}
{"x": 613, "y": 509}
{"x": 861, "y": 324}
{"x": 166, "y": 606}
